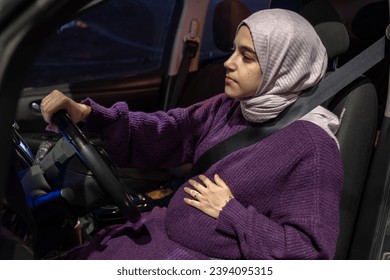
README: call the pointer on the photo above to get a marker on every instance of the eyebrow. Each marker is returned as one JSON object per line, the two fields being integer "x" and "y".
{"x": 244, "y": 49}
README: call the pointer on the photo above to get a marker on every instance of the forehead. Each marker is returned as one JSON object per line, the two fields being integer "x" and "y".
{"x": 244, "y": 37}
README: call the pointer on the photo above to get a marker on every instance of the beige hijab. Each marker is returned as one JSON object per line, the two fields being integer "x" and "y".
{"x": 292, "y": 59}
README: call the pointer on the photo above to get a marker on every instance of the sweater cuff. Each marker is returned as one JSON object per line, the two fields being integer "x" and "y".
{"x": 101, "y": 116}
{"x": 230, "y": 216}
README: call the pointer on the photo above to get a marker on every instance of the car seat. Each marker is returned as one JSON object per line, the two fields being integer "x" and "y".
{"x": 368, "y": 25}
{"x": 357, "y": 107}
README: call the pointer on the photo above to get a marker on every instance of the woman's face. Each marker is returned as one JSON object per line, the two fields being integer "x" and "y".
{"x": 243, "y": 72}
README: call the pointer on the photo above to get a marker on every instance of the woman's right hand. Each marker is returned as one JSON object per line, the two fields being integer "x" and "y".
{"x": 56, "y": 101}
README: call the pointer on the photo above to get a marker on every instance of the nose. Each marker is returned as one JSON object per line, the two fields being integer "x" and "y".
{"x": 229, "y": 63}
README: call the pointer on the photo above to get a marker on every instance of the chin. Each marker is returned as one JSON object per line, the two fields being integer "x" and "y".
{"x": 233, "y": 95}
{"x": 229, "y": 92}
{"x": 230, "y": 95}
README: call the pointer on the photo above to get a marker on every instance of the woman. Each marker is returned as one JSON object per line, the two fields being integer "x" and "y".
{"x": 276, "y": 199}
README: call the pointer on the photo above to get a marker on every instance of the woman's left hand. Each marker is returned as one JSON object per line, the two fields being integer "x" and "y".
{"x": 209, "y": 197}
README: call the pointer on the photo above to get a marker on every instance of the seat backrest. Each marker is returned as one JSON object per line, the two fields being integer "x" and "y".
{"x": 357, "y": 108}
{"x": 210, "y": 80}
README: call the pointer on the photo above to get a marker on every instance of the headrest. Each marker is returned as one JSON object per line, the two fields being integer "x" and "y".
{"x": 319, "y": 11}
{"x": 227, "y": 16}
{"x": 327, "y": 22}
{"x": 334, "y": 36}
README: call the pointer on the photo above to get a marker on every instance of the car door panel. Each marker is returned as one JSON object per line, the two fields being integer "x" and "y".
{"x": 140, "y": 93}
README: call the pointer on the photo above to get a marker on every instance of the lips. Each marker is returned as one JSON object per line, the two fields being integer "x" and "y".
{"x": 229, "y": 80}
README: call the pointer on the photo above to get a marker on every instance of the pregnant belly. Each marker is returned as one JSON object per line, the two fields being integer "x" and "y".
{"x": 197, "y": 231}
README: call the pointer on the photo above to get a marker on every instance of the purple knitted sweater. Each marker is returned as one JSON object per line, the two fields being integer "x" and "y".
{"x": 286, "y": 187}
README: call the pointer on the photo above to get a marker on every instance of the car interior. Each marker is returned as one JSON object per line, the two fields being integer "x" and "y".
{"x": 78, "y": 206}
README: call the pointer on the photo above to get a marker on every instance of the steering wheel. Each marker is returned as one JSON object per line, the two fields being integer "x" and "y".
{"x": 103, "y": 174}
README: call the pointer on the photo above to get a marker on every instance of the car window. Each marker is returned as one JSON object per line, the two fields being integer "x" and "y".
{"x": 116, "y": 37}
{"x": 208, "y": 49}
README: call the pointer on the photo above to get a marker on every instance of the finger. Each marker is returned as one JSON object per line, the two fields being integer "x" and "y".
{"x": 218, "y": 180}
{"x": 193, "y": 203}
{"x": 187, "y": 190}
{"x": 195, "y": 194}
{"x": 47, "y": 101}
{"x": 197, "y": 186}
{"x": 208, "y": 183}
{"x": 52, "y": 128}
{"x": 51, "y": 104}
{"x": 45, "y": 109}
{"x": 47, "y": 98}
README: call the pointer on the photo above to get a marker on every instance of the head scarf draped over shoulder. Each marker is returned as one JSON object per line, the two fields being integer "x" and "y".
{"x": 292, "y": 59}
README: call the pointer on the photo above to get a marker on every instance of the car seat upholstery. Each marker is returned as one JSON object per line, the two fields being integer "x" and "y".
{"x": 369, "y": 24}
{"x": 357, "y": 107}
{"x": 210, "y": 80}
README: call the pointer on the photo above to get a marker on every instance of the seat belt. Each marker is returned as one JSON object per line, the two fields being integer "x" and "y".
{"x": 191, "y": 44}
{"x": 307, "y": 101}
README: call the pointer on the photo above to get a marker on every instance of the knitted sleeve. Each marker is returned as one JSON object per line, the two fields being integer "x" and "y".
{"x": 303, "y": 223}
{"x": 150, "y": 140}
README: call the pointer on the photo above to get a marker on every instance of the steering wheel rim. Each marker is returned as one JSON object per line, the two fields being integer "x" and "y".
{"x": 102, "y": 173}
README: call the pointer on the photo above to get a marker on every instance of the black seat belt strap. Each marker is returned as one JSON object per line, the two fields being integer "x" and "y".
{"x": 189, "y": 52}
{"x": 307, "y": 101}
{"x": 190, "y": 48}
{"x": 336, "y": 81}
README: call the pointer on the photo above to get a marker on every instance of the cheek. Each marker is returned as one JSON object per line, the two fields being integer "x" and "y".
{"x": 248, "y": 83}
{"x": 252, "y": 82}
